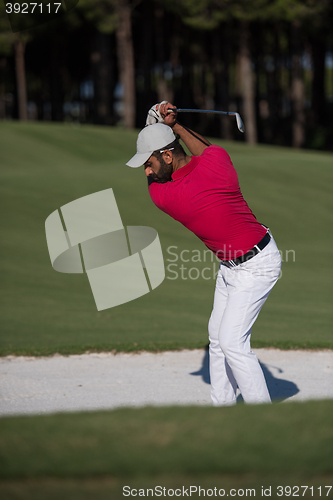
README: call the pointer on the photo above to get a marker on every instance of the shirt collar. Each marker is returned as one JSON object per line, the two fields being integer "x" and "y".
{"x": 181, "y": 172}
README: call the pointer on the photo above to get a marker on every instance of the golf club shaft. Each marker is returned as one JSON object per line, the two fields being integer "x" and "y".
{"x": 239, "y": 121}
{"x": 180, "y": 110}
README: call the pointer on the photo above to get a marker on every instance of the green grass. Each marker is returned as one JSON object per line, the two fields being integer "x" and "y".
{"x": 242, "y": 446}
{"x": 106, "y": 488}
{"x": 44, "y": 166}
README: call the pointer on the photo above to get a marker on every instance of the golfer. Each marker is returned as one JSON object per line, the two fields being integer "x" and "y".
{"x": 202, "y": 193}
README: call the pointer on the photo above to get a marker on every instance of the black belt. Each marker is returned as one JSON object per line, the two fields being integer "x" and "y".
{"x": 248, "y": 255}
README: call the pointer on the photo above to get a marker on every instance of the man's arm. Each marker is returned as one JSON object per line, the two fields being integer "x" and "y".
{"x": 195, "y": 142}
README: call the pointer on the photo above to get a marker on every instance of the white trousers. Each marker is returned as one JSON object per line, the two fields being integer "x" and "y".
{"x": 239, "y": 295}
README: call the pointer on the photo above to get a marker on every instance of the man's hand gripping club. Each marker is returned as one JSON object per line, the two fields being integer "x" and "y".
{"x": 162, "y": 113}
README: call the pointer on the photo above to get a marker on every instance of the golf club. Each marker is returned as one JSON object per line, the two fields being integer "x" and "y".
{"x": 239, "y": 121}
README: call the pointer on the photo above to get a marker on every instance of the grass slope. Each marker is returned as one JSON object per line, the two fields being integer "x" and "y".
{"x": 44, "y": 166}
{"x": 242, "y": 446}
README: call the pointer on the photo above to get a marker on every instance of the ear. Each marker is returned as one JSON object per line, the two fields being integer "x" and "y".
{"x": 167, "y": 156}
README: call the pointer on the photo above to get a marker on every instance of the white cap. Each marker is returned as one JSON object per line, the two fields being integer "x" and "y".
{"x": 150, "y": 139}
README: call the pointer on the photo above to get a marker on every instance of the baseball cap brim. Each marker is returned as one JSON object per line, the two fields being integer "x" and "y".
{"x": 139, "y": 159}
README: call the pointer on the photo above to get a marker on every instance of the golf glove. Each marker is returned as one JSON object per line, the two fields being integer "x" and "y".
{"x": 154, "y": 116}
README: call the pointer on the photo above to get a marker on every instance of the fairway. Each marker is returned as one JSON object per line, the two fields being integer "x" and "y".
{"x": 98, "y": 453}
{"x": 44, "y": 166}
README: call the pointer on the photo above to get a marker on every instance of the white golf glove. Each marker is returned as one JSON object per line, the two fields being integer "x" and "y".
{"x": 154, "y": 116}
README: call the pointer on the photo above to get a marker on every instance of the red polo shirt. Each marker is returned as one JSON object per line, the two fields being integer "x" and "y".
{"x": 205, "y": 197}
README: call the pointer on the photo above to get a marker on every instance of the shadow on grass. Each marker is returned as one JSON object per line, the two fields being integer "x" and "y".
{"x": 279, "y": 389}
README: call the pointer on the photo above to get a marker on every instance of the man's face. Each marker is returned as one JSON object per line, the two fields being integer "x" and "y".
{"x": 160, "y": 171}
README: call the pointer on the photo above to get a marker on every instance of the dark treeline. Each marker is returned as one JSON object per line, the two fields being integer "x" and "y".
{"x": 108, "y": 61}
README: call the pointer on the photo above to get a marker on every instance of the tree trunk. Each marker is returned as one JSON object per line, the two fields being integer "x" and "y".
{"x": 56, "y": 85}
{"x": 297, "y": 88}
{"x": 164, "y": 92}
{"x": 125, "y": 56}
{"x": 20, "y": 78}
{"x": 221, "y": 59}
{"x": 3, "y": 63}
{"x": 102, "y": 63}
{"x": 146, "y": 95}
{"x": 186, "y": 99}
{"x": 276, "y": 97}
{"x": 247, "y": 84}
{"x": 318, "y": 83}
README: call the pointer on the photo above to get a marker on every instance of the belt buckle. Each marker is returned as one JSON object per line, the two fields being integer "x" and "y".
{"x": 228, "y": 263}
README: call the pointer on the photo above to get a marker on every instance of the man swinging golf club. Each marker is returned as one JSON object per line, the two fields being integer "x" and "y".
{"x": 202, "y": 193}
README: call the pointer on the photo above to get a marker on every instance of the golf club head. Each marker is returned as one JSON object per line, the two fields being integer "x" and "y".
{"x": 239, "y": 121}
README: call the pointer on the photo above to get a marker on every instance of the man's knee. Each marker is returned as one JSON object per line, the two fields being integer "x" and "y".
{"x": 229, "y": 345}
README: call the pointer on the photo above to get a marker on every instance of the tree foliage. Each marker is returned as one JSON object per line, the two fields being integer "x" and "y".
{"x": 265, "y": 59}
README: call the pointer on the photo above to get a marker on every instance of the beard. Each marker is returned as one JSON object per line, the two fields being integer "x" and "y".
{"x": 164, "y": 173}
